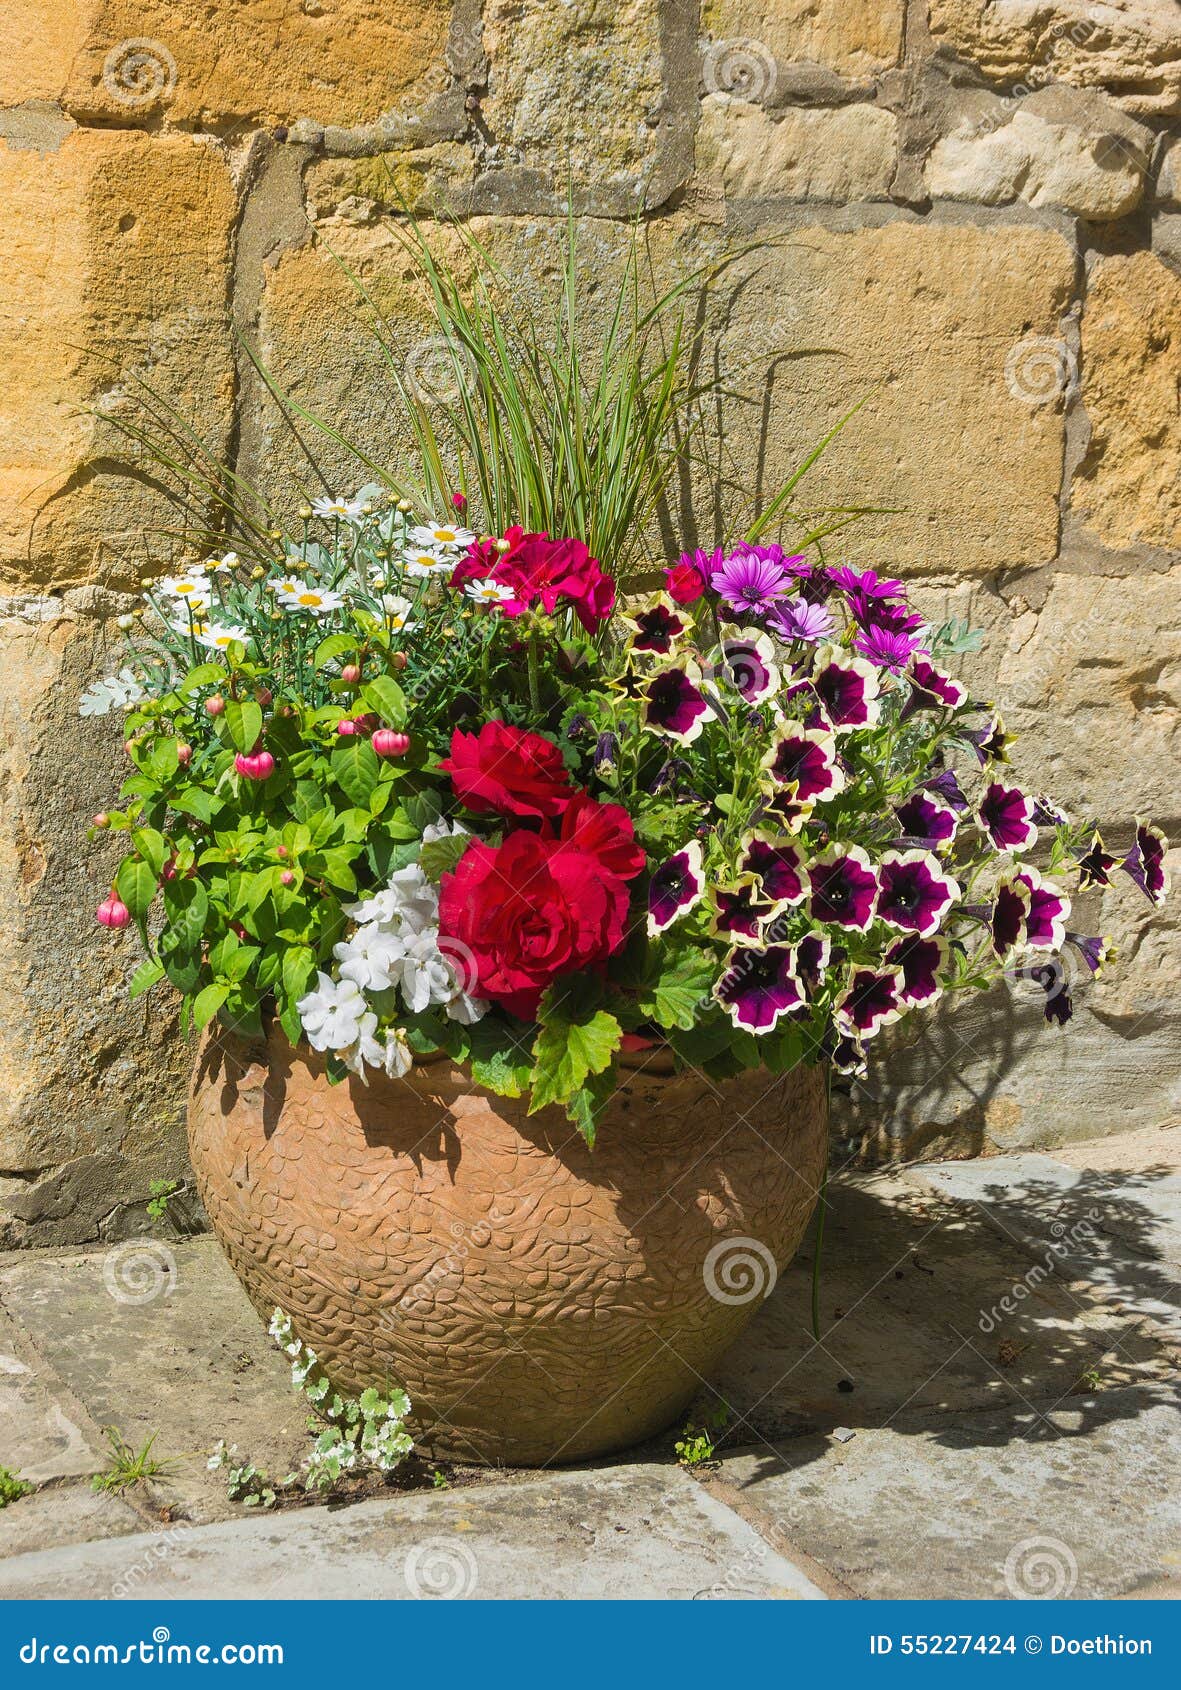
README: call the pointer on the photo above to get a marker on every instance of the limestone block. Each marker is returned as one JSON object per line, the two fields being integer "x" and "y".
{"x": 837, "y": 153}
{"x": 853, "y": 38}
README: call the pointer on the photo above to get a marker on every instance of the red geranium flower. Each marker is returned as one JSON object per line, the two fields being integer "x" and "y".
{"x": 508, "y": 771}
{"x": 603, "y": 831}
{"x": 528, "y": 912}
{"x": 541, "y": 571}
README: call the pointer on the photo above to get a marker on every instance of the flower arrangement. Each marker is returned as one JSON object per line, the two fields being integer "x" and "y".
{"x": 411, "y": 788}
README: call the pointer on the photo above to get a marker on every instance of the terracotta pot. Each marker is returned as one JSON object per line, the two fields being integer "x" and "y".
{"x": 539, "y": 1301}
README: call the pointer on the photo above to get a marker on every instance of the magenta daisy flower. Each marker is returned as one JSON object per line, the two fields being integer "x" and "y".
{"x": 751, "y": 580}
{"x": 887, "y": 649}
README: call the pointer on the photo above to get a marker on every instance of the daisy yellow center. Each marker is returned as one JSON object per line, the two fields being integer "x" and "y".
{"x": 445, "y": 536}
{"x": 310, "y": 599}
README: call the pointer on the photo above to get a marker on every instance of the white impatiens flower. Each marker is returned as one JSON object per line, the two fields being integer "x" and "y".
{"x": 317, "y": 601}
{"x": 488, "y": 592}
{"x": 371, "y": 957}
{"x": 440, "y": 534}
{"x": 216, "y": 636}
{"x": 194, "y": 587}
{"x": 349, "y": 509}
{"x": 332, "y": 1014}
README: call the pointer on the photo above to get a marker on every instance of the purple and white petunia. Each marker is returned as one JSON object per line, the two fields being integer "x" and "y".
{"x": 946, "y": 785}
{"x": 740, "y": 913}
{"x": 848, "y": 1056}
{"x": 1048, "y": 813}
{"x": 1006, "y": 922}
{"x": 1095, "y": 864}
{"x": 844, "y": 888}
{"x": 1045, "y": 921}
{"x": 914, "y": 894}
{"x": 869, "y": 1002}
{"x": 991, "y": 743}
{"x": 674, "y": 705}
{"x": 797, "y": 619}
{"x": 922, "y": 964}
{"x": 781, "y": 808}
{"x": 847, "y": 688}
{"x": 752, "y": 578}
{"x": 758, "y": 988}
{"x": 1145, "y": 862}
{"x": 1047, "y": 973}
{"x": 1006, "y": 816}
{"x": 932, "y": 686}
{"x": 778, "y": 866}
{"x": 656, "y": 625}
{"x": 806, "y": 759}
{"x": 811, "y": 954}
{"x": 1095, "y": 952}
{"x": 675, "y": 887}
{"x": 748, "y": 664}
{"x": 924, "y": 815}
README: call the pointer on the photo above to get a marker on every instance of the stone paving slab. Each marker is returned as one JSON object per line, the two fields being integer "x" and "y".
{"x": 629, "y": 1532}
{"x": 156, "y": 1338}
{"x": 64, "y": 1514}
{"x": 1119, "y": 1228}
{"x": 1080, "y": 1502}
{"x": 911, "y": 1318}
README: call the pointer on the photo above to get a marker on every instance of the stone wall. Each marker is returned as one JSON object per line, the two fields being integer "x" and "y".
{"x": 969, "y": 211}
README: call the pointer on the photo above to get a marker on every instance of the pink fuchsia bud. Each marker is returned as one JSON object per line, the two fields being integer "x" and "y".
{"x": 113, "y": 912}
{"x": 398, "y": 661}
{"x": 237, "y": 927}
{"x": 388, "y": 742}
{"x": 264, "y": 696}
{"x": 351, "y": 674}
{"x": 255, "y": 765}
{"x": 459, "y": 502}
{"x": 101, "y": 819}
{"x": 346, "y": 728}
{"x": 168, "y": 872}
{"x": 215, "y": 706}
{"x": 184, "y": 755}
{"x": 280, "y": 850}
{"x": 287, "y": 878}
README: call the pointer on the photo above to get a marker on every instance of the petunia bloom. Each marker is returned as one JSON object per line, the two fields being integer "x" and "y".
{"x": 1145, "y": 862}
{"x": 924, "y": 815}
{"x": 778, "y": 866}
{"x": 675, "y": 887}
{"x": 674, "y": 705}
{"x": 748, "y": 664}
{"x": 933, "y": 687}
{"x": 656, "y": 625}
{"x": 922, "y": 964}
{"x": 1045, "y": 921}
{"x": 844, "y": 888}
{"x": 758, "y": 988}
{"x": 914, "y": 894}
{"x": 869, "y": 1002}
{"x": 847, "y": 688}
{"x": 1095, "y": 865}
{"x": 740, "y": 912}
{"x": 1006, "y": 816}
{"x": 1006, "y": 922}
{"x": 805, "y": 759}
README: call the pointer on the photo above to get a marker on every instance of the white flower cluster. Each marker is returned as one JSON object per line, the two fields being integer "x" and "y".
{"x": 395, "y": 944}
{"x": 117, "y": 692}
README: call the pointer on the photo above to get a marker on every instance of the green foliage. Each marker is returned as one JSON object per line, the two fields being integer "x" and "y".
{"x": 127, "y": 1466}
{"x": 699, "y": 1439}
{"x": 162, "y": 1192}
{"x": 12, "y": 1488}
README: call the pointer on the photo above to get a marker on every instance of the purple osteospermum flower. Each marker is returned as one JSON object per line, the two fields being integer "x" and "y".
{"x": 914, "y": 894}
{"x": 1045, "y": 924}
{"x": 991, "y": 743}
{"x": 947, "y": 787}
{"x": 844, "y": 887}
{"x": 748, "y": 663}
{"x": 674, "y": 704}
{"x": 675, "y": 887}
{"x": 1007, "y": 921}
{"x": 847, "y": 688}
{"x": 1145, "y": 862}
{"x": 921, "y": 963}
{"x": 811, "y": 955}
{"x": 1094, "y": 952}
{"x": 869, "y": 1002}
{"x": 740, "y": 912}
{"x": 932, "y": 684}
{"x": 889, "y": 650}
{"x": 750, "y": 580}
{"x": 864, "y": 581}
{"x": 796, "y": 619}
{"x": 656, "y": 626}
{"x": 758, "y": 988}
{"x": 778, "y": 866}
{"x": 1095, "y": 865}
{"x": 925, "y": 816}
{"x": 1006, "y": 816}
{"x": 885, "y": 617}
{"x": 805, "y": 759}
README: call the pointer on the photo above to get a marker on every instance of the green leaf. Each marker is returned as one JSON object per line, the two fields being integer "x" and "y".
{"x": 334, "y": 646}
{"x": 208, "y": 1002}
{"x": 243, "y": 720}
{"x": 152, "y": 847}
{"x": 136, "y": 885}
{"x": 565, "y": 1052}
{"x": 355, "y": 769}
{"x": 673, "y": 998}
{"x": 205, "y": 674}
{"x": 162, "y": 760}
{"x": 194, "y": 802}
{"x": 298, "y": 966}
{"x": 145, "y": 977}
{"x": 440, "y": 856}
{"x": 186, "y": 905}
{"x": 386, "y": 697}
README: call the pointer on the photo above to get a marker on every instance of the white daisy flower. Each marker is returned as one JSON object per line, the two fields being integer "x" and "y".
{"x": 318, "y": 601}
{"x": 216, "y": 636}
{"x": 193, "y": 587}
{"x": 349, "y": 509}
{"x": 397, "y": 612}
{"x": 442, "y": 534}
{"x": 426, "y": 560}
{"x": 222, "y": 565}
{"x": 488, "y": 592}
